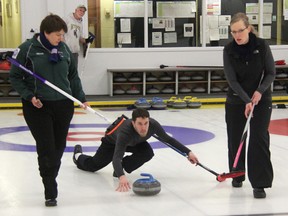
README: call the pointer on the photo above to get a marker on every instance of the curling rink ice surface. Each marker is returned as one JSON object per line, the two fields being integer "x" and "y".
{"x": 186, "y": 189}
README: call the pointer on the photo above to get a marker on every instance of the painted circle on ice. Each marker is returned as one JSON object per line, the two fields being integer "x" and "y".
{"x": 279, "y": 127}
{"x": 186, "y": 136}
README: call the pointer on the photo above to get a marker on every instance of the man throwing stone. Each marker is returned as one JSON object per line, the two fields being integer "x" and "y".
{"x": 129, "y": 135}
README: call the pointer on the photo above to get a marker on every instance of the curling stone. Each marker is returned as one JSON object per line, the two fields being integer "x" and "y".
{"x": 215, "y": 89}
{"x": 184, "y": 77}
{"x": 5, "y": 65}
{"x": 171, "y": 101}
{"x": 199, "y": 89}
{"x": 151, "y": 78}
{"x": 215, "y": 76}
{"x": 179, "y": 104}
{"x": 146, "y": 186}
{"x": 12, "y": 92}
{"x": 119, "y": 78}
{"x": 225, "y": 89}
{"x": 192, "y": 102}
{"x": 277, "y": 86}
{"x": 118, "y": 91}
{"x": 133, "y": 90}
{"x": 142, "y": 103}
{"x": 167, "y": 90}
{"x": 153, "y": 90}
{"x": 197, "y": 76}
{"x": 278, "y": 62}
{"x": 165, "y": 77}
{"x": 281, "y": 75}
{"x": 135, "y": 78}
{"x": 158, "y": 103}
{"x": 185, "y": 89}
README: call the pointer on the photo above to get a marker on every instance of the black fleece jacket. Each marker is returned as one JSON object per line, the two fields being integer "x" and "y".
{"x": 248, "y": 68}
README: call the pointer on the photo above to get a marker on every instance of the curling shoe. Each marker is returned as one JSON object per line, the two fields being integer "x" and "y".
{"x": 236, "y": 184}
{"x": 50, "y": 202}
{"x": 77, "y": 149}
{"x": 259, "y": 193}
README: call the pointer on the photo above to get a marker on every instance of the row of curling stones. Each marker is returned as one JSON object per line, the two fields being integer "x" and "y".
{"x": 146, "y": 186}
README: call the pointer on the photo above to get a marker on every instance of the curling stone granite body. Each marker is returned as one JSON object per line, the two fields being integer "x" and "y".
{"x": 146, "y": 186}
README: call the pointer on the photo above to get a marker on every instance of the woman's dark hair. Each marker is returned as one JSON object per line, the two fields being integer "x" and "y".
{"x": 53, "y": 23}
{"x": 140, "y": 113}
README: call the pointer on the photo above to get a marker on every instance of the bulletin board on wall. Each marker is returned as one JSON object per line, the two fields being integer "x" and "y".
{"x": 170, "y": 23}
{"x": 178, "y": 23}
{"x": 284, "y": 34}
{"x": 226, "y": 9}
{"x": 270, "y": 18}
{"x": 273, "y": 20}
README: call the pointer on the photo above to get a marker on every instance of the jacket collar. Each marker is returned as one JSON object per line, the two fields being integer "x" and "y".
{"x": 232, "y": 47}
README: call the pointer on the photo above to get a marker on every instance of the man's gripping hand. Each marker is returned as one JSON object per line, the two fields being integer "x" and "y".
{"x": 192, "y": 158}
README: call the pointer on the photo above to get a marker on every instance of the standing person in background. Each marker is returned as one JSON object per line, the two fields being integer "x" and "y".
{"x": 47, "y": 112}
{"x": 74, "y": 36}
{"x": 249, "y": 69}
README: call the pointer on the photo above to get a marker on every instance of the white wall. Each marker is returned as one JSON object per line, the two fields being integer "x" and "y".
{"x": 32, "y": 13}
{"x": 95, "y": 76}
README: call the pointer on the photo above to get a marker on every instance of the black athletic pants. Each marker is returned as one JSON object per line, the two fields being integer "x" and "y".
{"x": 49, "y": 126}
{"x": 141, "y": 153}
{"x": 260, "y": 170}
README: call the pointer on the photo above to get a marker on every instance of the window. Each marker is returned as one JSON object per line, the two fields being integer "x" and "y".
{"x": 10, "y": 23}
{"x": 121, "y": 23}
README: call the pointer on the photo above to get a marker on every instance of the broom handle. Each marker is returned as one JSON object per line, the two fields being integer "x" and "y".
{"x": 14, "y": 62}
{"x": 243, "y": 138}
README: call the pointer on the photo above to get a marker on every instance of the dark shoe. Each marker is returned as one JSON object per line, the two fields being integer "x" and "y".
{"x": 259, "y": 193}
{"x": 77, "y": 149}
{"x": 236, "y": 184}
{"x": 51, "y": 202}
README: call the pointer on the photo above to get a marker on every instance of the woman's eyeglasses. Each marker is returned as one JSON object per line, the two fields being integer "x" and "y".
{"x": 239, "y": 31}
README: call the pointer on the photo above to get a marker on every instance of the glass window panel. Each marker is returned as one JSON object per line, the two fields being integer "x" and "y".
{"x": 284, "y": 21}
{"x": 278, "y": 24}
{"x": 173, "y": 24}
{"x": 227, "y": 10}
{"x": 179, "y": 23}
{"x": 10, "y": 24}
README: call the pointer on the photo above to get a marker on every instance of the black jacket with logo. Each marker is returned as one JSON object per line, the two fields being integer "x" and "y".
{"x": 244, "y": 70}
